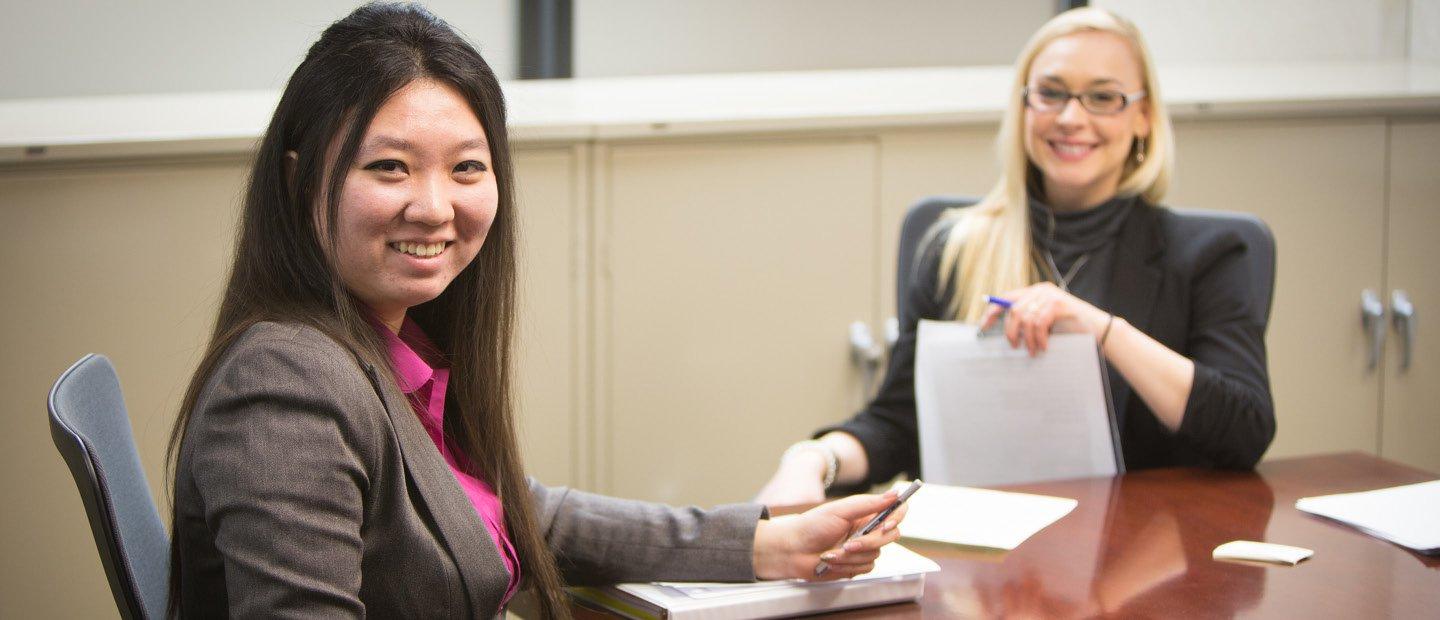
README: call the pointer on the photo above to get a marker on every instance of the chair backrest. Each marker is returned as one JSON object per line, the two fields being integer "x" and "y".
{"x": 1259, "y": 243}
{"x": 917, "y": 222}
{"x": 91, "y": 429}
{"x": 1259, "y": 249}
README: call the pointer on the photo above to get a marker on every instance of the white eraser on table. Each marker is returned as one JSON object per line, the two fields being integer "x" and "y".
{"x": 1249, "y": 550}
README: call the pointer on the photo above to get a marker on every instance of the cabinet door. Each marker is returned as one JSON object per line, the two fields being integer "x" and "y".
{"x": 729, "y": 272}
{"x": 550, "y": 189}
{"x": 917, "y": 164}
{"x": 123, "y": 260}
{"x": 1319, "y": 184}
{"x": 1410, "y": 426}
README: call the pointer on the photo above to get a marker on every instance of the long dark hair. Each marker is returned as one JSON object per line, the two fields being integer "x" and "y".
{"x": 280, "y": 270}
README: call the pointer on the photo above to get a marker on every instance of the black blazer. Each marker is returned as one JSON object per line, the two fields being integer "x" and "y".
{"x": 1185, "y": 282}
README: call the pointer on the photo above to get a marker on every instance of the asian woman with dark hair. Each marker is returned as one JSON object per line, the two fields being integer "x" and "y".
{"x": 346, "y": 446}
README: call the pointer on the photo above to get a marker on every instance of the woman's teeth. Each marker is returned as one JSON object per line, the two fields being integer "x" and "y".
{"x": 423, "y": 250}
{"x": 1072, "y": 150}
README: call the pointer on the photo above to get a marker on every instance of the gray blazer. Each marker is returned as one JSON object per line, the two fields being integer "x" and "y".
{"x": 306, "y": 486}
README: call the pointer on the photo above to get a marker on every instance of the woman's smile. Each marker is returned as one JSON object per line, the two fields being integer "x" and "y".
{"x": 419, "y": 249}
{"x": 1071, "y": 151}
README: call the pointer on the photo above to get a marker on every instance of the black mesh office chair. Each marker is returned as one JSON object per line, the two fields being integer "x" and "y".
{"x": 91, "y": 429}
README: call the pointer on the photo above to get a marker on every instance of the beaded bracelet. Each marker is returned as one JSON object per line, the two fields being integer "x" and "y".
{"x": 832, "y": 461}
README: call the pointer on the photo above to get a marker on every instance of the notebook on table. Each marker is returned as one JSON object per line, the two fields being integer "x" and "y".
{"x": 899, "y": 576}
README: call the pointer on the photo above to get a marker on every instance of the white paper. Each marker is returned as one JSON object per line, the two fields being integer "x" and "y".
{"x": 990, "y": 414}
{"x": 1407, "y": 515}
{"x": 1252, "y": 551}
{"x": 979, "y": 517}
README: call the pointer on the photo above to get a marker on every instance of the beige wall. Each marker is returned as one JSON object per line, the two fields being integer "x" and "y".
{"x": 1270, "y": 30}
{"x": 182, "y": 47}
{"x": 75, "y": 48}
{"x": 646, "y": 37}
{"x": 1425, "y": 30}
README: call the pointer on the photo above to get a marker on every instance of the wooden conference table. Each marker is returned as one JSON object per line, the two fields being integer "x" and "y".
{"x": 1139, "y": 545}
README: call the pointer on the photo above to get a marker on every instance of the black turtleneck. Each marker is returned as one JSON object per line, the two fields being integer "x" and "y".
{"x": 1069, "y": 237}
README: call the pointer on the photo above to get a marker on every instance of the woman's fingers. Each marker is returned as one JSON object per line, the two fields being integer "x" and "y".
{"x": 849, "y": 558}
{"x": 857, "y": 506}
{"x": 991, "y": 314}
{"x": 846, "y": 571}
{"x": 856, "y": 556}
{"x": 1032, "y": 328}
{"x": 1014, "y": 323}
{"x": 1032, "y": 315}
{"x": 1043, "y": 324}
{"x": 884, "y": 534}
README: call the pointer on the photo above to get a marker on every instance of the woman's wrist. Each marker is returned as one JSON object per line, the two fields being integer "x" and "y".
{"x": 1096, "y": 321}
{"x": 1111, "y": 332}
{"x": 769, "y": 555}
{"x": 809, "y": 460}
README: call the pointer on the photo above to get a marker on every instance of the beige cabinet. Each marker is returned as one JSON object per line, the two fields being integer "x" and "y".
{"x": 1320, "y": 185}
{"x": 124, "y": 260}
{"x": 1410, "y": 424}
{"x": 551, "y": 193}
{"x": 728, "y": 273}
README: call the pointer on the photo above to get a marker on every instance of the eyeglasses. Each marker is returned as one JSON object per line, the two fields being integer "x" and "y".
{"x": 1049, "y": 99}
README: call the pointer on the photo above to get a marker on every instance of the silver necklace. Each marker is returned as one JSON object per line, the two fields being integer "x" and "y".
{"x": 1062, "y": 280}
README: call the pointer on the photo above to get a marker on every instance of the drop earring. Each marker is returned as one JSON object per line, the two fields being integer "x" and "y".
{"x": 1139, "y": 150}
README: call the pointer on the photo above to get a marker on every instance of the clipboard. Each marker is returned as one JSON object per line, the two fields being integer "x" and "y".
{"x": 989, "y": 414}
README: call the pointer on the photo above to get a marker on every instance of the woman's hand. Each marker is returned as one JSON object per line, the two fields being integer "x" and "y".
{"x": 790, "y": 547}
{"x": 1037, "y": 309}
{"x": 798, "y": 481}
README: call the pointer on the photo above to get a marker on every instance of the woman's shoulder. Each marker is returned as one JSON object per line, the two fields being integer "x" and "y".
{"x": 294, "y": 343}
{"x": 285, "y": 356}
{"x": 1201, "y": 235}
{"x": 286, "y": 334}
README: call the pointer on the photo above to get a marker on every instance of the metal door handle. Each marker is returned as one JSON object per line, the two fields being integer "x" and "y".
{"x": 1402, "y": 313}
{"x": 1372, "y": 317}
{"x": 863, "y": 348}
{"x": 866, "y": 354}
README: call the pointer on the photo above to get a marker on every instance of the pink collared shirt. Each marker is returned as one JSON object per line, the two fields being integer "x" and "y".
{"x": 423, "y": 377}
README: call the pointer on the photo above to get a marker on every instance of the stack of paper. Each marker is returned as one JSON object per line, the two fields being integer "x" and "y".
{"x": 899, "y": 576}
{"x": 1408, "y": 515}
{"x": 979, "y": 517}
{"x": 990, "y": 414}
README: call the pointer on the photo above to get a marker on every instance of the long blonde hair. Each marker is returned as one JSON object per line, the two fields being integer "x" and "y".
{"x": 988, "y": 250}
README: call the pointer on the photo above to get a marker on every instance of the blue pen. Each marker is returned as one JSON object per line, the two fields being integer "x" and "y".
{"x": 1003, "y": 303}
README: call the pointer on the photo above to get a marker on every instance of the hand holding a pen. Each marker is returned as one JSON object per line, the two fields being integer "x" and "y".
{"x": 792, "y": 546}
{"x": 1032, "y": 313}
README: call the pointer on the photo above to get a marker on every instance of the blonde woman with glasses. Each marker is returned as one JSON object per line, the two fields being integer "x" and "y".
{"x": 1074, "y": 232}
